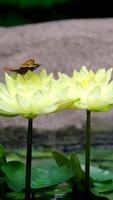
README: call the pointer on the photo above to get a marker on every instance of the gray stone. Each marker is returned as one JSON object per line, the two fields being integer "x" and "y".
{"x": 60, "y": 46}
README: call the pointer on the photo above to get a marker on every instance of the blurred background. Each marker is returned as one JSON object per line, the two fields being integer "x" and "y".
{"x": 17, "y": 12}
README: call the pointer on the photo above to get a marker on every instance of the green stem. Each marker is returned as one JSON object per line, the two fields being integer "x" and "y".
{"x": 2, "y": 193}
{"x": 87, "y": 157}
{"x": 33, "y": 196}
{"x": 28, "y": 161}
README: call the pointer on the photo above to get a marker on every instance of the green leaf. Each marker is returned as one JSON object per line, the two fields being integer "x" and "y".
{"x": 15, "y": 175}
{"x": 2, "y": 178}
{"x": 2, "y": 155}
{"x": 109, "y": 196}
{"x": 60, "y": 158}
{"x": 15, "y": 195}
{"x": 100, "y": 175}
{"x": 102, "y": 182}
{"x": 78, "y": 172}
{"x": 41, "y": 178}
{"x": 73, "y": 164}
{"x": 45, "y": 178}
{"x": 102, "y": 187}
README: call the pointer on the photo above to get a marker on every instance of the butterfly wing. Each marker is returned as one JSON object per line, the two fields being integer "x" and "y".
{"x": 6, "y": 68}
{"x": 27, "y": 65}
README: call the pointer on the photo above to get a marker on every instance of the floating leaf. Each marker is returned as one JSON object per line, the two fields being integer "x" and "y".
{"x": 100, "y": 175}
{"x": 103, "y": 188}
{"x": 15, "y": 175}
{"x": 41, "y": 178}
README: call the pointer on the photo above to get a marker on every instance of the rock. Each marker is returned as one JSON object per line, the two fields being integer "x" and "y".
{"x": 60, "y": 46}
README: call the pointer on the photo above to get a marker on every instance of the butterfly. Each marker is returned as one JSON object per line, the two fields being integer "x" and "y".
{"x": 23, "y": 68}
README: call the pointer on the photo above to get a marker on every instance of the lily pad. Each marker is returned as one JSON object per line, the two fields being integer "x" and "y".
{"x": 100, "y": 175}
{"x": 41, "y": 178}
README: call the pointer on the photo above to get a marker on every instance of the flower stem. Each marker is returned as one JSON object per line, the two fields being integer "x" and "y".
{"x": 28, "y": 161}
{"x": 2, "y": 193}
{"x": 87, "y": 156}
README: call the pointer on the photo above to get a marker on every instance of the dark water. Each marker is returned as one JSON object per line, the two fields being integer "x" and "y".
{"x": 66, "y": 139}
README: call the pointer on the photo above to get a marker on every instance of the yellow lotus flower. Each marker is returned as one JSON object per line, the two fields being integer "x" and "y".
{"x": 93, "y": 89}
{"x": 31, "y": 95}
